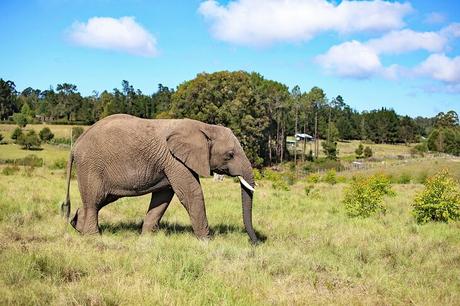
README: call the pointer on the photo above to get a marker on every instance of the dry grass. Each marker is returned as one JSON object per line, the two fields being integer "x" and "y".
{"x": 313, "y": 253}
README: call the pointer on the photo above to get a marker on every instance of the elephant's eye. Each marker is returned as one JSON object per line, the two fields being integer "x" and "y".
{"x": 229, "y": 155}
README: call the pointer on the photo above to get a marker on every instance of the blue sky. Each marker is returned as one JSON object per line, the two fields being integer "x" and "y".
{"x": 403, "y": 55}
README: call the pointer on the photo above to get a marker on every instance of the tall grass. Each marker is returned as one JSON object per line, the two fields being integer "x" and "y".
{"x": 313, "y": 253}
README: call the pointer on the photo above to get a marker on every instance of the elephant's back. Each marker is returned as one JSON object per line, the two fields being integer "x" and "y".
{"x": 118, "y": 134}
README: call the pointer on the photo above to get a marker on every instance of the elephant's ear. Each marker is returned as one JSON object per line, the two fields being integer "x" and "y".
{"x": 188, "y": 143}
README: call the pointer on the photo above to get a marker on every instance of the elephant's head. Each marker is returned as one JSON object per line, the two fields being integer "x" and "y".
{"x": 206, "y": 149}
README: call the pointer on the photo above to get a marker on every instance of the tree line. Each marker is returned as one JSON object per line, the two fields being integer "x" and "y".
{"x": 261, "y": 112}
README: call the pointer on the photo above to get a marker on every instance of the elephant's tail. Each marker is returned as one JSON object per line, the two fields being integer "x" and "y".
{"x": 65, "y": 206}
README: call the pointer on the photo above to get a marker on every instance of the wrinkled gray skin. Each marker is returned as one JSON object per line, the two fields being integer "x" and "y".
{"x": 124, "y": 156}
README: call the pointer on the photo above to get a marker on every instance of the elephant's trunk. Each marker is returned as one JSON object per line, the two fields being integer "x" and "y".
{"x": 246, "y": 200}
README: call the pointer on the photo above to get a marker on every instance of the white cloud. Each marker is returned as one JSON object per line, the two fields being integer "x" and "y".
{"x": 356, "y": 54}
{"x": 406, "y": 40}
{"x": 262, "y": 22}
{"x": 123, "y": 34}
{"x": 351, "y": 59}
{"x": 442, "y": 68}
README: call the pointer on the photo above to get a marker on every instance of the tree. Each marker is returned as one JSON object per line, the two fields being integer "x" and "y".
{"x": 8, "y": 104}
{"x": 17, "y": 132}
{"x": 368, "y": 152}
{"x": 359, "y": 151}
{"x": 46, "y": 134}
{"x": 446, "y": 120}
{"x": 29, "y": 140}
{"x": 68, "y": 101}
{"x": 20, "y": 119}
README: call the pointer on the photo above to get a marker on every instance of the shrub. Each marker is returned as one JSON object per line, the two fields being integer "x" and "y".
{"x": 1, "y": 137}
{"x": 313, "y": 178}
{"x": 60, "y": 163}
{"x": 31, "y": 161}
{"x": 76, "y": 132}
{"x": 46, "y": 135}
{"x": 364, "y": 196}
{"x": 330, "y": 149}
{"x": 256, "y": 173}
{"x": 368, "y": 152}
{"x": 419, "y": 149}
{"x": 404, "y": 178}
{"x": 10, "y": 170}
{"x": 439, "y": 201}
{"x": 330, "y": 177}
{"x": 278, "y": 182}
{"x": 359, "y": 151}
{"x": 20, "y": 119}
{"x": 29, "y": 141}
{"x": 16, "y": 133}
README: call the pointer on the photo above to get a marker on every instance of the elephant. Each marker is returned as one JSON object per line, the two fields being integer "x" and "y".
{"x": 125, "y": 156}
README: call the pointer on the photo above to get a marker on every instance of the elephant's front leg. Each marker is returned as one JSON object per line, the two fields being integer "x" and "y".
{"x": 188, "y": 189}
{"x": 158, "y": 205}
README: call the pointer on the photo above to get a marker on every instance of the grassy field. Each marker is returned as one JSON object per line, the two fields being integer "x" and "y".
{"x": 347, "y": 149}
{"x": 313, "y": 252}
{"x": 59, "y": 131}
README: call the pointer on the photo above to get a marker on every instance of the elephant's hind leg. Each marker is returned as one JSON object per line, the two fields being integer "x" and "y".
{"x": 158, "y": 205}
{"x": 86, "y": 218}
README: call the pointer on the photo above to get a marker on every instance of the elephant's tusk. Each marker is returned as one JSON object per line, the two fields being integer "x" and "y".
{"x": 246, "y": 184}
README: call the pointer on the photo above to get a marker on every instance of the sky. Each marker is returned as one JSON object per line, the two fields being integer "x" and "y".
{"x": 403, "y": 55}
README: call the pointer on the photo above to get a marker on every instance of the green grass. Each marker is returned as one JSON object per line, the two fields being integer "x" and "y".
{"x": 313, "y": 254}
{"x": 49, "y": 153}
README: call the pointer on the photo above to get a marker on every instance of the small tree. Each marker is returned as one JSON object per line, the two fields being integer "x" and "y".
{"x": 46, "y": 134}
{"x": 16, "y": 134}
{"x": 330, "y": 149}
{"x": 76, "y": 132}
{"x": 368, "y": 152}
{"x": 364, "y": 196}
{"x": 359, "y": 151}
{"x": 20, "y": 119}
{"x": 29, "y": 140}
{"x": 439, "y": 201}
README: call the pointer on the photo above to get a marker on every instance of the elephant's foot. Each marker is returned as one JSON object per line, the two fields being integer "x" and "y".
{"x": 202, "y": 234}
{"x": 149, "y": 228}
{"x": 85, "y": 222}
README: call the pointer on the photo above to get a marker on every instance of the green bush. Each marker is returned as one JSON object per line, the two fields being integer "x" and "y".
{"x": 404, "y": 178}
{"x": 364, "y": 196}
{"x": 368, "y": 152}
{"x": 30, "y": 160}
{"x": 257, "y": 175}
{"x": 60, "y": 163}
{"x": 16, "y": 133}
{"x": 439, "y": 201}
{"x": 278, "y": 182}
{"x": 359, "y": 151}
{"x": 10, "y": 170}
{"x": 29, "y": 140}
{"x": 45, "y": 134}
{"x": 330, "y": 177}
{"x": 313, "y": 178}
